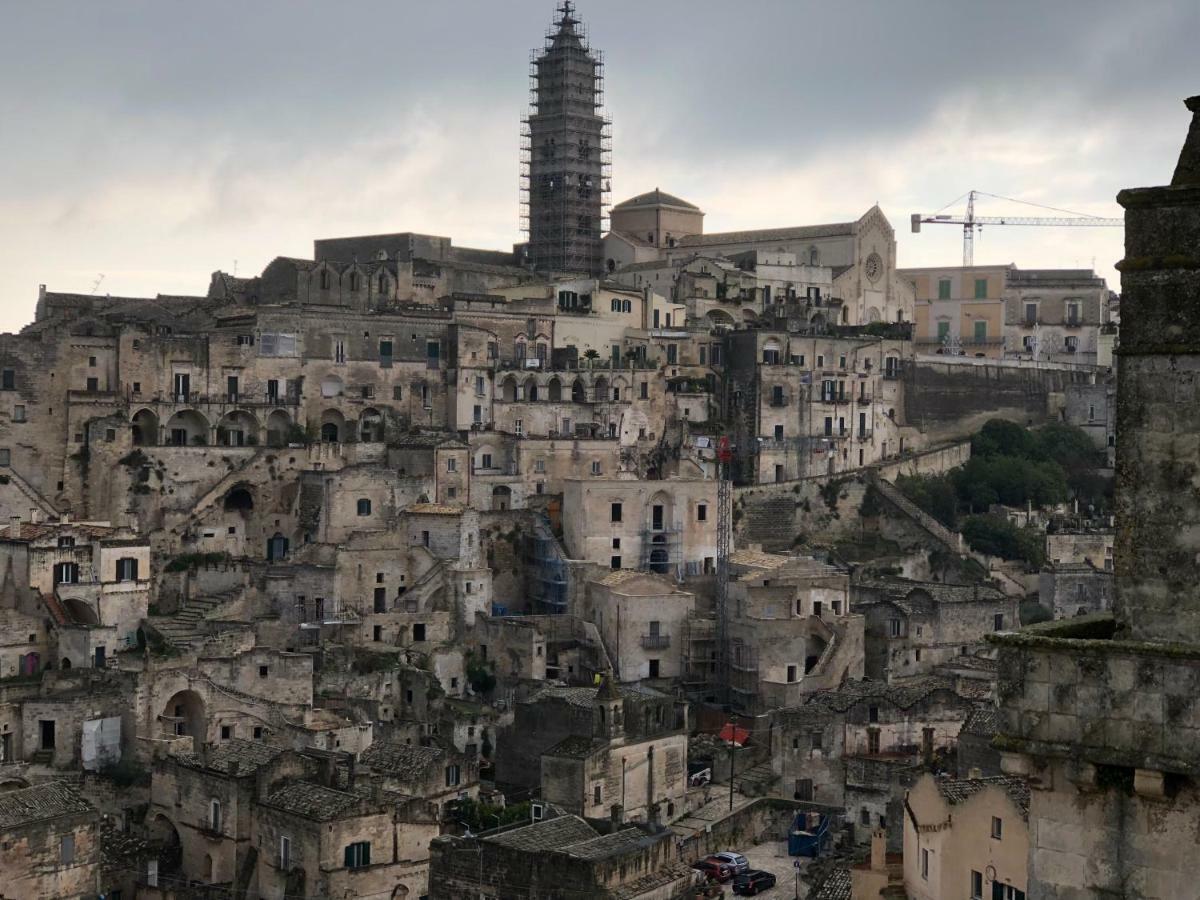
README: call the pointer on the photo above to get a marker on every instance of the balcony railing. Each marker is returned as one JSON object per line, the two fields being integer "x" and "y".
{"x": 656, "y": 641}
{"x": 863, "y": 399}
{"x": 864, "y": 435}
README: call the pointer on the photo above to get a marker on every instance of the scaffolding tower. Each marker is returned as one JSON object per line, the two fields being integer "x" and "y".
{"x": 565, "y": 153}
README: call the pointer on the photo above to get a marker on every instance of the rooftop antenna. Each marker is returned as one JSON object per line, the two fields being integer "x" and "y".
{"x": 235, "y": 268}
{"x": 96, "y": 283}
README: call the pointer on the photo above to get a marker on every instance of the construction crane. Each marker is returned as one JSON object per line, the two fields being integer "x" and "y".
{"x": 971, "y": 222}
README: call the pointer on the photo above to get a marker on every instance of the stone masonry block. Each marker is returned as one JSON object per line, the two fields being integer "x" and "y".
{"x": 1122, "y": 674}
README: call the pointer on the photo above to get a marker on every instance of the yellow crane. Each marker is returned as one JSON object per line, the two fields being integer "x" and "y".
{"x": 971, "y": 222}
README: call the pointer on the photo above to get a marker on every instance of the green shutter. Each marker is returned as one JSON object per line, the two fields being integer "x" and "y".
{"x": 943, "y": 330}
{"x": 980, "y": 288}
{"x": 980, "y": 331}
{"x": 944, "y": 289}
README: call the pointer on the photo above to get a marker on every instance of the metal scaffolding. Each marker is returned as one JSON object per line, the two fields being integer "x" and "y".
{"x": 566, "y": 167}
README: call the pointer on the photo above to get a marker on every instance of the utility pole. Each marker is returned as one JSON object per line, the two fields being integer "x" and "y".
{"x": 732, "y": 759}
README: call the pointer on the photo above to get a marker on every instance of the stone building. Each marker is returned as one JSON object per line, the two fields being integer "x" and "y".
{"x": 433, "y": 774}
{"x": 641, "y": 618}
{"x": 1099, "y": 712}
{"x": 967, "y": 837}
{"x": 1075, "y": 589}
{"x": 959, "y": 311}
{"x": 667, "y": 527}
{"x": 1055, "y": 315}
{"x": 561, "y": 856}
{"x": 49, "y": 843}
{"x": 791, "y": 629}
{"x": 803, "y": 405}
{"x": 914, "y": 626}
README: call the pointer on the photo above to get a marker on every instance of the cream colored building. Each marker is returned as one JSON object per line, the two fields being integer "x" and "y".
{"x": 967, "y": 838}
{"x": 668, "y": 527}
{"x": 641, "y": 618}
{"x": 959, "y": 311}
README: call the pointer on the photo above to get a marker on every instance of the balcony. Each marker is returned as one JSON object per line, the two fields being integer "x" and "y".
{"x": 779, "y": 402}
{"x": 864, "y": 435}
{"x": 656, "y": 641}
{"x": 863, "y": 399}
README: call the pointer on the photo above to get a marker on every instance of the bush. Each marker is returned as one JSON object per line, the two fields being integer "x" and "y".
{"x": 996, "y": 536}
{"x": 1033, "y": 612}
{"x": 479, "y": 676}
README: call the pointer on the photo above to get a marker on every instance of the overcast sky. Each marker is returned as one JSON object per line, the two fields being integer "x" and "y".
{"x": 157, "y": 141}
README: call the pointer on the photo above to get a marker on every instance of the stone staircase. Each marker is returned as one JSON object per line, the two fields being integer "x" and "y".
{"x": 188, "y": 628}
{"x": 771, "y": 522}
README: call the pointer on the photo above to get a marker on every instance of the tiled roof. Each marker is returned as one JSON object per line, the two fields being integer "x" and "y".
{"x": 246, "y": 756}
{"x": 836, "y": 886}
{"x": 575, "y": 746}
{"x": 120, "y": 849}
{"x": 620, "y": 576}
{"x": 757, "y": 558}
{"x": 902, "y": 694}
{"x": 958, "y": 790}
{"x": 35, "y": 532}
{"x": 608, "y": 844}
{"x": 405, "y": 760}
{"x": 434, "y": 509}
{"x": 549, "y": 834}
{"x": 768, "y": 234}
{"x": 983, "y": 721}
{"x": 939, "y": 592}
{"x": 654, "y": 198}
{"x": 303, "y": 798}
{"x": 39, "y": 803}
{"x": 583, "y": 697}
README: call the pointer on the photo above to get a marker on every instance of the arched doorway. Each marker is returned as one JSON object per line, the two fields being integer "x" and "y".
{"x": 333, "y": 426}
{"x": 279, "y": 424}
{"x": 277, "y": 547}
{"x": 238, "y": 429}
{"x": 145, "y": 429}
{"x": 184, "y": 715}
{"x": 578, "y": 391}
{"x": 530, "y": 388}
{"x": 508, "y": 390}
{"x": 370, "y": 426}
{"x": 187, "y": 428}
{"x": 660, "y": 559}
{"x": 554, "y": 390}
{"x": 239, "y": 499}
{"x": 80, "y": 611}
{"x": 501, "y": 497}
{"x": 165, "y": 836}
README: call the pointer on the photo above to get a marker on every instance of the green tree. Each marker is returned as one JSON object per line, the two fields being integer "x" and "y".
{"x": 933, "y": 494}
{"x": 996, "y": 536}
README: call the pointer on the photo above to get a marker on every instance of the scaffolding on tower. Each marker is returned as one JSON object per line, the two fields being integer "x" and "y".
{"x": 566, "y": 150}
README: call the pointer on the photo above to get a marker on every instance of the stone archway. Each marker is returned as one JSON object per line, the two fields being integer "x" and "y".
{"x": 184, "y": 714}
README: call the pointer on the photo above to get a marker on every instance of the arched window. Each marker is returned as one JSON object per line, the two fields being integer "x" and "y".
{"x": 520, "y": 349}
{"x": 628, "y": 306}
{"x": 354, "y": 281}
{"x": 214, "y": 815}
{"x": 382, "y": 283}
{"x": 616, "y": 305}
{"x": 324, "y": 279}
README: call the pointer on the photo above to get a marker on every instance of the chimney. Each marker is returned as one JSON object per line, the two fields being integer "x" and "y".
{"x": 14, "y": 527}
{"x": 975, "y": 773}
{"x": 65, "y": 518}
{"x": 878, "y": 850}
{"x": 35, "y": 515}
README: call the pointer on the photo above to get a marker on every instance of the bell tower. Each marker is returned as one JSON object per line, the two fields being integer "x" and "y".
{"x": 565, "y": 148}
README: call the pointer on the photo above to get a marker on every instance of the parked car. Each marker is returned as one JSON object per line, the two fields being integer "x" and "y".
{"x": 714, "y": 870}
{"x": 735, "y": 861}
{"x": 753, "y": 881}
{"x": 700, "y": 777}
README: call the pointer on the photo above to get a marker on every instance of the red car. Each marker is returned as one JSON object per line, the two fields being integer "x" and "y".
{"x": 714, "y": 870}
